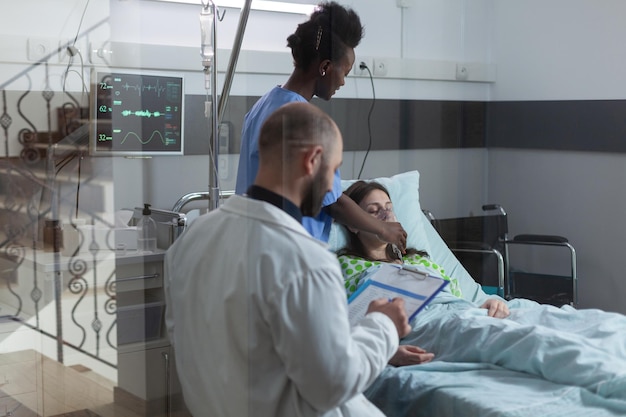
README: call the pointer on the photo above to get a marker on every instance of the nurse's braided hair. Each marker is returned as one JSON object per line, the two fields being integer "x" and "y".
{"x": 330, "y": 30}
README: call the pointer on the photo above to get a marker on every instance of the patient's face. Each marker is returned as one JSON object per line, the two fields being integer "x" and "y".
{"x": 378, "y": 204}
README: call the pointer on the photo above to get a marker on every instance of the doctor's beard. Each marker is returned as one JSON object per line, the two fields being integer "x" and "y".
{"x": 312, "y": 202}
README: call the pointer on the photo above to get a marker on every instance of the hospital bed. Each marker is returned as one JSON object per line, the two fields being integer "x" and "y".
{"x": 525, "y": 365}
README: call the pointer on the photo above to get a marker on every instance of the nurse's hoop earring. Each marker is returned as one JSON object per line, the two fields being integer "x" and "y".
{"x": 323, "y": 73}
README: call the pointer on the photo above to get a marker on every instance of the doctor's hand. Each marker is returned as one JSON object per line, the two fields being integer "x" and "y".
{"x": 496, "y": 308}
{"x": 394, "y": 233}
{"x": 410, "y": 355}
{"x": 393, "y": 309}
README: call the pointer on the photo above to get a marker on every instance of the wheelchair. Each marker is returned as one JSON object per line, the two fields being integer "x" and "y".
{"x": 482, "y": 245}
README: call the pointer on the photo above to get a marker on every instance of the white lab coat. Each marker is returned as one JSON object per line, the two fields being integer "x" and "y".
{"x": 257, "y": 315}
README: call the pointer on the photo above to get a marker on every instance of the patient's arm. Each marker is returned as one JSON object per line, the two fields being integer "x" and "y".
{"x": 410, "y": 355}
{"x": 348, "y": 213}
{"x": 496, "y": 308}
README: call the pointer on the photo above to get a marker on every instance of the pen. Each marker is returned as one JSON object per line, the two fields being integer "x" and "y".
{"x": 420, "y": 273}
{"x": 413, "y": 269}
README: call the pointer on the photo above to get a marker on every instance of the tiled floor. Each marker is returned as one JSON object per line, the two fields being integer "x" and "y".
{"x": 33, "y": 383}
{"x": 16, "y": 336}
{"x": 37, "y": 386}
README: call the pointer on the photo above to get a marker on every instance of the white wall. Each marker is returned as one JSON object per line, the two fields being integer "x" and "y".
{"x": 152, "y": 35}
{"x": 562, "y": 49}
{"x": 572, "y": 194}
{"x": 559, "y": 50}
{"x": 429, "y": 31}
{"x": 565, "y": 50}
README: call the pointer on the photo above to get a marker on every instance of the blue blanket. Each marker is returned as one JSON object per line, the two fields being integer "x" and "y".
{"x": 540, "y": 361}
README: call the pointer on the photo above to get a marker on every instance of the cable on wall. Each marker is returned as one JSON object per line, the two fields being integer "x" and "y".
{"x": 364, "y": 66}
{"x": 72, "y": 51}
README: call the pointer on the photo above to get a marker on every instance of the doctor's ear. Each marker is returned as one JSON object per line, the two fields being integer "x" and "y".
{"x": 312, "y": 159}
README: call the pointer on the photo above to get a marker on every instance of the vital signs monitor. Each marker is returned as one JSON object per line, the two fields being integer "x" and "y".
{"x": 136, "y": 114}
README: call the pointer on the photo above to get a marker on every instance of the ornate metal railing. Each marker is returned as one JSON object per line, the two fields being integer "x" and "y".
{"x": 38, "y": 280}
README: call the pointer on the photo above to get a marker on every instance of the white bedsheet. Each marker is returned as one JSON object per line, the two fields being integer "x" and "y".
{"x": 441, "y": 389}
{"x": 541, "y": 361}
{"x": 585, "y": 348}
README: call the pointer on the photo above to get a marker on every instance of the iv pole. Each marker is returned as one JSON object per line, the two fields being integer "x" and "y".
{"x": 208, "y": 49}
{"x": 214, "y": 190}
{"x": 208, "y": 16}
{"x": 213, "y": 195}
{"x": 234, "y": 56}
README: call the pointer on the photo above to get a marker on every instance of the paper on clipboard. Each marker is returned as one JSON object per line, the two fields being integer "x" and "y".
{"x": 416, "y": 287}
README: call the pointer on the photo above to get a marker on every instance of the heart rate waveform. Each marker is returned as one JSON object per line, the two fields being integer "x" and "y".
{"x": 140, "y": 88}
{"x": 141, "y": 113}
{"x": 172, "y": 89}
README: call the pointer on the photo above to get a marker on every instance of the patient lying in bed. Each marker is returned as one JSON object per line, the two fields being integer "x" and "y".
{"x": 365, "y": 250}
{"x": 581, "y": 348}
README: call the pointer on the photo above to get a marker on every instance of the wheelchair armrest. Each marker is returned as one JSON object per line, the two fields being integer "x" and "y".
{"x": 538, "y": 239}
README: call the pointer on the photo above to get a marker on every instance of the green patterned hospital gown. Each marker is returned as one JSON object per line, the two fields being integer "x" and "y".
{"x": 353, "y": 269}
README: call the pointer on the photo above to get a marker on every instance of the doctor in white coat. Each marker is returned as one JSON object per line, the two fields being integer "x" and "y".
{"x": 256, "y": 309}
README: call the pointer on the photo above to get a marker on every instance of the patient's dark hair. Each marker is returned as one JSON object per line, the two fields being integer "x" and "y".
{"x": 330, "y": 30}
{"x": 357, "y": 192}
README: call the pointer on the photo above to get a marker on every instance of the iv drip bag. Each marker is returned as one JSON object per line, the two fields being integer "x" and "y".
{"x": 206, "y": 31}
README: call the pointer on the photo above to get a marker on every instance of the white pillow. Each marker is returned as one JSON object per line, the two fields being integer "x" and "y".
{"x": 404, "y": 192}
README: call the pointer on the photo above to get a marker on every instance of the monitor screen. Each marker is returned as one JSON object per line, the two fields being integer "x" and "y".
{"x": 136, "y": 114}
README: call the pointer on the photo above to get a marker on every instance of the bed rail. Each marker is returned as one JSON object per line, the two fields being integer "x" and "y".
{"x": 200, "y": 195}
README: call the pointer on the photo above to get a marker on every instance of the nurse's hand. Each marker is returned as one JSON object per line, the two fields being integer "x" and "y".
{"x": 496, "y": 308}
{"x": 394, "y": 309}
{"x": 410, "y": 355}
{"x": 394, "y": 233}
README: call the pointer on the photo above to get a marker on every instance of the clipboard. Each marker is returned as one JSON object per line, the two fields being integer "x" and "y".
{"x": 416, "y": 286}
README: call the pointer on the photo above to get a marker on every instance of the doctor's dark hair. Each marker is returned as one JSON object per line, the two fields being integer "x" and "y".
{"x": 357, "y": 192}
{"x": 330, "y": 30}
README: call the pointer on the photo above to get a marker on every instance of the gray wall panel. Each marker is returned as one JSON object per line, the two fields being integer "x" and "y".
{"x": 584, "y": 125}
{"x": 394, "y": 124}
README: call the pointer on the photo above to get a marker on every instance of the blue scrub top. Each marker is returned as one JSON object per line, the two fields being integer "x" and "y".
{"x": 319, "y": 226}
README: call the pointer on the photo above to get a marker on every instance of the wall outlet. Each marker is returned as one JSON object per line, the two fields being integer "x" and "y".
{"x": 37, "y": 48}
{"x": 362, "y": 71}
{"x": 461, "y": 72}
{"x": 380, "y": 67}
{"x": 99, "y": 55}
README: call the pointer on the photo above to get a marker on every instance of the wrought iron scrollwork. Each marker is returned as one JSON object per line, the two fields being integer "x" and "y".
{"x": 29, "y": 174}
